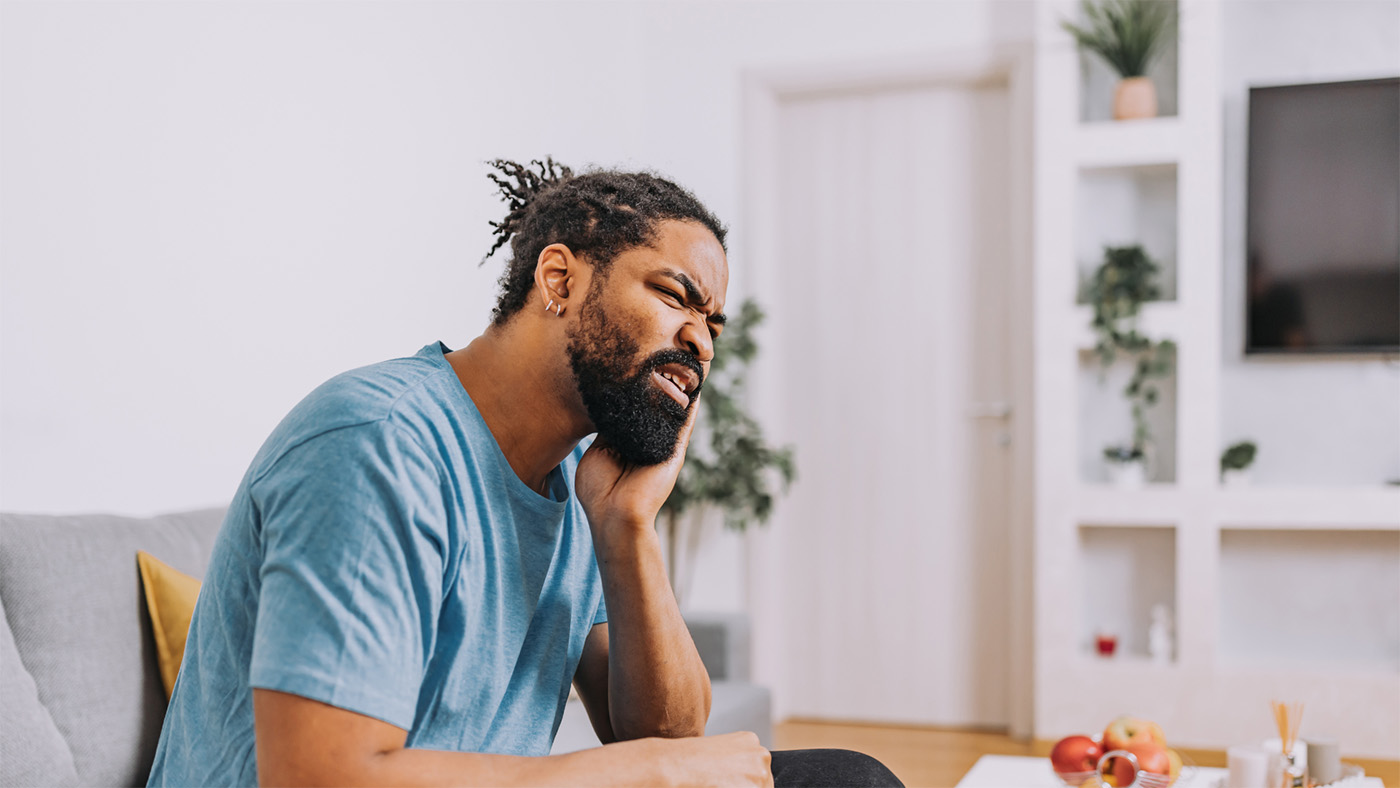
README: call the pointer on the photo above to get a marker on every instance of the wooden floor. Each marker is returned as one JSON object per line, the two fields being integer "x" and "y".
{"x": 938, "y": 758}
{"x": 918, "y": 756}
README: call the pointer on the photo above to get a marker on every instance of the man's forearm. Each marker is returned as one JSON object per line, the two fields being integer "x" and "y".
{"x": 657, "y": 684}
{"x": 634, "y": 763}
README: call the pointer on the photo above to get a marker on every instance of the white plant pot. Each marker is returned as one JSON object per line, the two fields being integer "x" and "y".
{"x": 1236, "y": 479}
{"x": 1128, "y": 475}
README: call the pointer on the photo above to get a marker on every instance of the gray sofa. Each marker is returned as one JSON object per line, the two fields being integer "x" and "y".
{"x": 81, "y": 700}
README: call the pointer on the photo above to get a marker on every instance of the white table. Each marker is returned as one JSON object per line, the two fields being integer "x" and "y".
{"x": 1016, "y": 771}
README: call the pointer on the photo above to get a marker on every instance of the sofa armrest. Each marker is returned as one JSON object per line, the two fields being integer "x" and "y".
{"x": 723, "y": 642}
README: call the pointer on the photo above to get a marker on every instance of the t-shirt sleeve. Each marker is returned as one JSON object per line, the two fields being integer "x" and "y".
{"x": 601, "y": 617}
{"x": 354, "y": 544}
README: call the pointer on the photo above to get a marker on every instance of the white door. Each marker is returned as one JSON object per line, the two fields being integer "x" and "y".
{"x": 887, "y": 346}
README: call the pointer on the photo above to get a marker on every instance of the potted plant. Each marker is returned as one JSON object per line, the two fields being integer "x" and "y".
{"x": 1127, "y": 466}
{"x": 1235, "y": 462}
{"x": 1116, "y": 292}
{"x": 728, "y": 467}
{"x": 1128, "y": 35}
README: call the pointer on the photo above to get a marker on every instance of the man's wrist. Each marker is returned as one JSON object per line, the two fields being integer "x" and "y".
{"x": 621, "y": 533}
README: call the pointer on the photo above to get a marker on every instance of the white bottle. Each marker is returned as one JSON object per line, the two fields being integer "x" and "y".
{"x": 1159, "y": 635}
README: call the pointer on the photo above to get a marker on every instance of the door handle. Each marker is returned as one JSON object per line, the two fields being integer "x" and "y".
{"x": 989, "y": 410}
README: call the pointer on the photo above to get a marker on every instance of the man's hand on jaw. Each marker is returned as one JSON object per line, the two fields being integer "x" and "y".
{"x": 619, "y": 496}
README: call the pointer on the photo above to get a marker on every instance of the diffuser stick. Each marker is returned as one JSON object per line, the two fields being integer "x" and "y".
{"x": 1288, "y": 717}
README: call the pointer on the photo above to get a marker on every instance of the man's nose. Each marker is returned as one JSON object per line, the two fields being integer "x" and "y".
{"x": 695, "y": 337}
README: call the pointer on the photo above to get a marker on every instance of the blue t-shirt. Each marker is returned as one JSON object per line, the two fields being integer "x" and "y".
{"x": 381, "y": 556}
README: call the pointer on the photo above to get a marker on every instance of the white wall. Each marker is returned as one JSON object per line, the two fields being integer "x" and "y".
{"x": 1317, "y": 421}
{"x": 207, "y": 209}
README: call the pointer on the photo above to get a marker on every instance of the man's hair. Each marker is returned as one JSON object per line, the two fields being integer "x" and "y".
{"x": 598, "y": 215}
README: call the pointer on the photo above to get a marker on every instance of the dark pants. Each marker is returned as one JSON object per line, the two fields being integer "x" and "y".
{"x": 830, "y": 769}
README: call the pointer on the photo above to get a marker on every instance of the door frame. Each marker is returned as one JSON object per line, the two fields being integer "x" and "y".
{"x": 763, "y": 92}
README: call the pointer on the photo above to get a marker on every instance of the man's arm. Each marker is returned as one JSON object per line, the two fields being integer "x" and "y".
{"x": 591, "y": 681}
{"x": 305, "y": 742}
{"x": 593, "y": 685}
{"x": 656, "y": 684}
{"x": 642, "y": 664}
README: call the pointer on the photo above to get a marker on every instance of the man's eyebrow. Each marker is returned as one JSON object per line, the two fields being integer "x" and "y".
{"x": 692, "y": 294}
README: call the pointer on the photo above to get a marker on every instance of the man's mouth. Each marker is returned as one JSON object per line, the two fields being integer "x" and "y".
{"x": 677, "y": 380}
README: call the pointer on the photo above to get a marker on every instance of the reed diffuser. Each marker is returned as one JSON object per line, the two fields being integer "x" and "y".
{"x": 1288, "y": 716}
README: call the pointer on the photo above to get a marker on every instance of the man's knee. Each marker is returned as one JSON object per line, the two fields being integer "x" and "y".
{"x": 828, "y": 769}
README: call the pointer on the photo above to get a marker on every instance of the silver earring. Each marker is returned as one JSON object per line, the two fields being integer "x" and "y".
{"x": 549, "y": 306}
{"x": 559, "y": 311}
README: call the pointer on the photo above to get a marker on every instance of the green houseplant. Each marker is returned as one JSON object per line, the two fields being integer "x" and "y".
{"x": 729, "y": 466}
{"x": 1128, "y": 35}
{"x": 1236, "y": 460}
{"x": 1119, "y": 287}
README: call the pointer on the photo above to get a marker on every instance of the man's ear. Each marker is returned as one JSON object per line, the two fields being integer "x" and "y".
{"x": 556, "y": 274}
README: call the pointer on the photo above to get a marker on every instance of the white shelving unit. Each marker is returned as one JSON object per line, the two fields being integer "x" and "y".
{"x": 1188, "y": 540}
{"x": 1143, "y": 142}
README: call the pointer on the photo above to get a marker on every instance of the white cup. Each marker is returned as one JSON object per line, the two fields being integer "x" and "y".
{"x": 1324, "y": 761}
{"x": 1249, "y": 767}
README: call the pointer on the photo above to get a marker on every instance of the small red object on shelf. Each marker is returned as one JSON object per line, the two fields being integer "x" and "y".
{"x": 1106, "y": 644}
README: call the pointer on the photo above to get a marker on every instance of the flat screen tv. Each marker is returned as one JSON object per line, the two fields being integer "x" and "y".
{"x": 1323, "y": 252}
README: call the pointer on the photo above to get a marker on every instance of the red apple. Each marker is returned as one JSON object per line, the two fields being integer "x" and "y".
{"x": 1075, "y": 754}
{"x": 1130, "y": 730}
{"x": 1152, "y": 757}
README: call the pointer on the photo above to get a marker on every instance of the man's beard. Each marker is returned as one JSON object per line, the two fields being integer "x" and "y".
{"x": 633, "y": 416}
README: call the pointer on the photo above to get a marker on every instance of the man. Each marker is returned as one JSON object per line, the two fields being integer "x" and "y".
{"x": 426, "y": 551}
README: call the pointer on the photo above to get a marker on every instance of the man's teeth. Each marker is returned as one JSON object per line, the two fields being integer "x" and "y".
{"x": 674, "y": 380}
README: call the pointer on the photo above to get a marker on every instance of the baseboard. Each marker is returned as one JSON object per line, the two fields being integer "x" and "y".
{"x": 999, "y": 730}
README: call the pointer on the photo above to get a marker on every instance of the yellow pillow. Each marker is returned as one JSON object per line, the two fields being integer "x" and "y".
{"x": 170, "y": 598}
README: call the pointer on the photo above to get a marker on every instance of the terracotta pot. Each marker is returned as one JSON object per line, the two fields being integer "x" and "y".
{"x": 1135, "y": 97}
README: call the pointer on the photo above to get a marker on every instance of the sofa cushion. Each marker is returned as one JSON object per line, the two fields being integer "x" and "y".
{"x": 73, "y": 597}
{"x": 740, "y": 706}
{"x": 32, "y": 752}
{"x": 170, "y": 598}
{"x": 722, "y": 640}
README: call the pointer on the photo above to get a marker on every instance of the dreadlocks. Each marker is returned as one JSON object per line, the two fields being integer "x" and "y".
{"x": 598, "y": 215}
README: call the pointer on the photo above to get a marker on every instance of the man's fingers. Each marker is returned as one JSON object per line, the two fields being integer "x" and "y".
{"x": 683, "y": 440}
{"x": 690, "y": 422}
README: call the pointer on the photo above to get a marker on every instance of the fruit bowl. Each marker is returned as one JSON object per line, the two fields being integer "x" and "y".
{"x": 1100, "y": 779}
{"x": 1141, "y": 778}
{"x": 1131, "y": 753}
{"x": 1076, "y": 779}
{"x": 1103, "y": 775}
